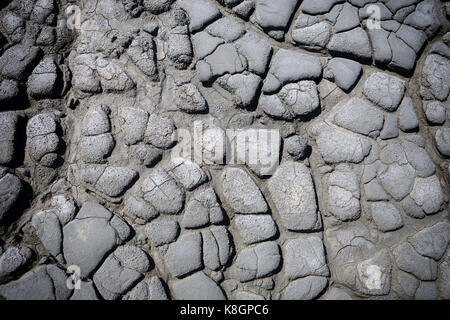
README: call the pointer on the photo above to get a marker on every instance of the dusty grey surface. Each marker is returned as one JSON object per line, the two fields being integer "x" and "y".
{"x": 117, "y": 162}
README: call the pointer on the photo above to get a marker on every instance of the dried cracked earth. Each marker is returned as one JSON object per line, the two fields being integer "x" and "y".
{"x": 99, "y": 198}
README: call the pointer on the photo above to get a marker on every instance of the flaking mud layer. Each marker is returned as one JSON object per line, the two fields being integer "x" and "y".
{"x": 126, "y": 128}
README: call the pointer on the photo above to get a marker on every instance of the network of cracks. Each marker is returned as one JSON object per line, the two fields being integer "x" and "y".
{"x": 229, "y": 149}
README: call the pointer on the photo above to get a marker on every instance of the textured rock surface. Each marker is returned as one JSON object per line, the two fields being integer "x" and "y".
{"x": 185, "y": 255}
{"x": 41, "y": 283}
{"x": 197, "y": 287}
{"x": 121, "y": 271}
{"x": 13, "y": 259}
{"x": 257, "y": 262}
{"x": 241, "y": 192}
{"x": 8, "y": 132}
{"x": 42, "y": 139}
{"x": 10, "y": 189}
{"x": 305, "y": 257}
{"x": 92, "y": 235}
{"x": 294, "y": 198}
{"x": 224, "y": 149}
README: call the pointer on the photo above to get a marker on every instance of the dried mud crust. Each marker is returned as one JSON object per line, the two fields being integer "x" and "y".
{"x": 92, "y": 113}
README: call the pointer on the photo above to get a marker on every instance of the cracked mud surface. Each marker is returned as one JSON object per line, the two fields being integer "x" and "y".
{"x": 116, "y": 137}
